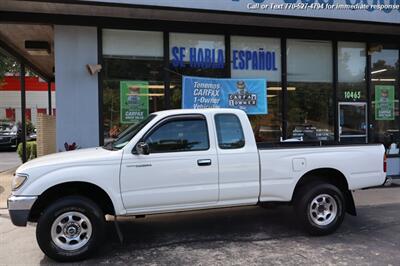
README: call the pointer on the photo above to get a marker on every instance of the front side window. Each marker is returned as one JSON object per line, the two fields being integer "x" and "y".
{"x": 125, "y": 136}
{"x": 190, "y": 134}
{"x": 229, "y": 131}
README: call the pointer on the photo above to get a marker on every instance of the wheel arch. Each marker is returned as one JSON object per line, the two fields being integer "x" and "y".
{"x": 86, "y": 189}
{"x": 331, "y": 176}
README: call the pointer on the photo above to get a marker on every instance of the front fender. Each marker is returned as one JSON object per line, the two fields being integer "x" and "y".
{"x": 104, "y": 175}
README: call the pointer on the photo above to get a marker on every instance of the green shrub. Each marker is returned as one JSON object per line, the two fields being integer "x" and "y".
{"x": 31, "y": 151}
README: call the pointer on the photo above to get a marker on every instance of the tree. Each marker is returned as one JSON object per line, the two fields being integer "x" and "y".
{"x": 7, "y": 65}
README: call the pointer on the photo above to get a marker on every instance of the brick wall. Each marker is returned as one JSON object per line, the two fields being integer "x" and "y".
{"x": 46, "y": 134}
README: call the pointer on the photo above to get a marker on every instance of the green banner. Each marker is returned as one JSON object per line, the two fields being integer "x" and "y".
{"x": 134, "y": 101}
{"x": 384, "y": 102}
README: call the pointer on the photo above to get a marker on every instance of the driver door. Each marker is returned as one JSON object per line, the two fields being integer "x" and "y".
{"x": 181, "y": 170}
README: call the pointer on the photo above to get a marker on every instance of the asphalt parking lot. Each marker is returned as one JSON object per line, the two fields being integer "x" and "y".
{"x": 239, "y": 236}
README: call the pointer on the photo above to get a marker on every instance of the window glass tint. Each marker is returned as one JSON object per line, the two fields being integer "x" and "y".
{"x": 229, "y": 131}
{"x": 310, "y": 89}
{"x": 266, "y": 127}
{"x": 179, "y": 135}
{"x": 187, "y": 53}
{"x": 351, "y": 71}
{"x": 133, "y": 78}
{"x": 385, "y": 108}
{"x": 128, "y": 134}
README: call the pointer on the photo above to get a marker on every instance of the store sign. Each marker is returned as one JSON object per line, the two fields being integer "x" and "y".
{"x": 204, "y": 58}
{"x": 254, "y": 60}
{"x": 249, "y": 95}
{"x": 134, "y": 101}
{"x": 352, "y": 95}
{"x": 386, "y": 11}
{"x": 384, "y": 102}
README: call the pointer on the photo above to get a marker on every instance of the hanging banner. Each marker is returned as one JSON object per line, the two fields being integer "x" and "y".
{"x": 134, "y": 101}
{"x": 384, "y": 102}
{"x": 249, "y": 95}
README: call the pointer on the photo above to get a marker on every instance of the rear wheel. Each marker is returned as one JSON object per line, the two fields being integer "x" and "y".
{"x": 70, "y": 229}
{"x": 321, "y": 208}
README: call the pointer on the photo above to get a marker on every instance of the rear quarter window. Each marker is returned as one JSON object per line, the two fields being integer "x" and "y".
{"x": 229, "y": 131}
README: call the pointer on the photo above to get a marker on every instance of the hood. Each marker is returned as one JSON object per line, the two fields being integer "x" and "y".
{"x": 80, "y": 156}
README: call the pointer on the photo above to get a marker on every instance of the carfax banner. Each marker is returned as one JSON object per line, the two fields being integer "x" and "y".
{"x": 384, "y": 102}
{"x": 249, "y": 95}
{"x": 134, "y": 101}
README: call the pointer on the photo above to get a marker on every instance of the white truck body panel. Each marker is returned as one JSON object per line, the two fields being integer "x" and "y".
{"x": 167, "y": 182}
{"x": 281, "y": 169}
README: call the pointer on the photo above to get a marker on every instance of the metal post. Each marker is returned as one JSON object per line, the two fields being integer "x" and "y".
{"x": 369, "y": 95}
{"x": 167, "y": 76}
{"x": 100, "y": 85}
{"x": 23, "y": 108}
{"x": 49, "y": 96}
{"x": 335, "y": 90}
{"x": 284, "y": 89}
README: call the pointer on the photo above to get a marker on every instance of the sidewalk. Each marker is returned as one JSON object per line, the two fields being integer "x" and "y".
{"x": 378, "y": 196}
{"x": 5, "y": 186}
{"x": 8, "y": 160}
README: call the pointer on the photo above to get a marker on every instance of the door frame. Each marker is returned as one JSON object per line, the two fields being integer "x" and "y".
{"x": 364, "y": 103}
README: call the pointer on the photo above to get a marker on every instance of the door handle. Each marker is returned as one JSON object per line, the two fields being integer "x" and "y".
{"x": 203, "y": 162}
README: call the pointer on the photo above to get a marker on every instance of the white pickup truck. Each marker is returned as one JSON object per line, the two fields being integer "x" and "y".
{"x": 185, "y": 160}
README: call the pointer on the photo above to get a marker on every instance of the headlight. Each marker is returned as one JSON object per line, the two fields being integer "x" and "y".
{"x": 18, "y": 181}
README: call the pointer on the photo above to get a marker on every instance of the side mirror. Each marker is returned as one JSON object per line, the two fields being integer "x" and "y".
{"x": 142, "y": 148}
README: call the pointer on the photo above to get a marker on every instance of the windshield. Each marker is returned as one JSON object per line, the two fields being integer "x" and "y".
{"x": 128, "y": 134}
{"x": 7, "y": 127}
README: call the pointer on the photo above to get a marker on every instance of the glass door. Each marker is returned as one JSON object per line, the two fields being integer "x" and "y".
{"x": 353, "y": 122}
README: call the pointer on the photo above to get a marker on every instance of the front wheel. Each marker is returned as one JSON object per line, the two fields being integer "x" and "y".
{"x": 321, "y": 208}
{"x": 70, "y": 229}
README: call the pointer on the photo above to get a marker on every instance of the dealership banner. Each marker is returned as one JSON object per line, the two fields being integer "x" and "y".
{"x": 249, "y": 95}
{"x": 134, "y": 101}
{"x": 384, "y": 102}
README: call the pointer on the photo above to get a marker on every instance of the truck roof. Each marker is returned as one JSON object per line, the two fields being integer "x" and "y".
{"x": 199, "y": 111}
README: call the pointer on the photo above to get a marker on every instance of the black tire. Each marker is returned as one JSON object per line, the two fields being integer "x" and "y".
{"x": 308, "y": 211}
{"x": 62, "y": 207}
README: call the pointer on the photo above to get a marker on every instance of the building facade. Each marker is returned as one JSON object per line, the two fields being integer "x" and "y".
{"x": 36, "y": 98}
{"x": 332, "y": 67}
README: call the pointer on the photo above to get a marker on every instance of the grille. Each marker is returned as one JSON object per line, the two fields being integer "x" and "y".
{"x": 5, "y": 139}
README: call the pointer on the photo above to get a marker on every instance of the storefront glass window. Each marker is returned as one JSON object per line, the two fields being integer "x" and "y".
{"x": 352, "y": 62}
{"x": 133, "y": 79}
{"x": 310, "y": 90}
{"x": 385, "y": 96}
{"x": 265, "y": 63}
{"x": 199, "y": 55}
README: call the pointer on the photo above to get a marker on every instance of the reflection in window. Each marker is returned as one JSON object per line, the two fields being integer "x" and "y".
{"x": 186, "y": 46}
{"x": 267, "y": 128}
{"x": 352, "y": 62}
{"x": 229, "y": 131}
{"x": 310, "y": 90}
{"x": 385, "y": 95}
{"x": 133, "y": 77}
{"x": 179, "y": 135}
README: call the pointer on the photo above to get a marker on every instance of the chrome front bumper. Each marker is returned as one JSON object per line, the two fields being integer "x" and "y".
{"x": 19, "y": 208}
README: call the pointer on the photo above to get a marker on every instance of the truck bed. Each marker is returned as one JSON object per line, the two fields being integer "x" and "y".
{"x": 305, "y": 144}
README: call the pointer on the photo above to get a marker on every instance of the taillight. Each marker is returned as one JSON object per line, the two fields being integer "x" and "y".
{"x": 384, "y": 163}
